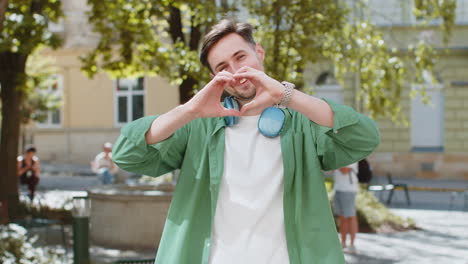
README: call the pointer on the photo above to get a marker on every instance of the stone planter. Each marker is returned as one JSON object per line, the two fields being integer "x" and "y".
{"x": 129, "y": 216}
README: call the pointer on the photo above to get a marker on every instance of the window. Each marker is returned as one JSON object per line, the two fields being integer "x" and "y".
{"x": 427, "y": 121}
{"x": 129, "y": 101}
{"x": 53, "y": 117}
{"x": 328, "y": 88}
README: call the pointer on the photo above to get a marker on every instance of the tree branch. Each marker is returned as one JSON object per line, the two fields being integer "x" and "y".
{"x": 175, "y": 25}
{"x": 195, "y": 35}
{"x": 276, "y": 38}
{"x": 3, "y": 6}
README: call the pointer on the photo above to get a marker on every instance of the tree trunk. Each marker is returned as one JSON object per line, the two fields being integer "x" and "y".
{"x": 186, "y": 89}
{"x": 12, "y": 74}
{"x": 3, "y": 6}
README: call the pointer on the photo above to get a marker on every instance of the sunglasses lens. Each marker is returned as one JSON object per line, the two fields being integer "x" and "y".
{"x": 271, "y": 122}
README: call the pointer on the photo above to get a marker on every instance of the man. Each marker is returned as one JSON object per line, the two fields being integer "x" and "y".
{"x": 103, "y": 165}
{"x": 243, "y": 197}
{"x": 28, "y": 169}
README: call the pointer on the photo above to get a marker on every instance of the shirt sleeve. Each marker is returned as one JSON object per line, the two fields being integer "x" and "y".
{"x": 133, "y": 154}
{"x": 353, "y": 137}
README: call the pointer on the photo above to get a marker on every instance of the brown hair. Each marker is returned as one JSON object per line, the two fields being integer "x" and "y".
{"x": 220, "y": 30}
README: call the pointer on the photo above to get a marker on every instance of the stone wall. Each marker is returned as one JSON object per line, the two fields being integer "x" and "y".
{"x": 452, "y": 166}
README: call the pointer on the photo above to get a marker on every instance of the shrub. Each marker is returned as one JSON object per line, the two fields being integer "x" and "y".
{"x": 377, "y": 216}
{"x": 373, "y": 216}
{"x": 17, "y": 248}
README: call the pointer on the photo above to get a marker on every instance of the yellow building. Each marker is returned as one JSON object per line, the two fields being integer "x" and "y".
{"x": 434, "y": 145}
{"x": 94, "y": 110}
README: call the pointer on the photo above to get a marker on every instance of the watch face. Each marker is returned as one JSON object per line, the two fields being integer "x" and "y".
{"x": 271, "y": 122}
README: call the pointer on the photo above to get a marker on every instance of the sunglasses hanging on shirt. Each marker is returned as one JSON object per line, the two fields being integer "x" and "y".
{"x": 270, "y": 123}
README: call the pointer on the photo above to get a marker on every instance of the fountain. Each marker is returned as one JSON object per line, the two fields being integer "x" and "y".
{"x": 129, "y": 216}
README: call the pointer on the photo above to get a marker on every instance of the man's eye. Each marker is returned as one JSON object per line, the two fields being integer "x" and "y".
{"x": 240, "y": 57}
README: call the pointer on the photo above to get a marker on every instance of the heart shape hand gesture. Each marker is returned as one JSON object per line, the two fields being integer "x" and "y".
{"x": 206, "y": 103}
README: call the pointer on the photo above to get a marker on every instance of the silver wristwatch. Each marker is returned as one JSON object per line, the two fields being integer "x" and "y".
{"x": 288, "y": 90}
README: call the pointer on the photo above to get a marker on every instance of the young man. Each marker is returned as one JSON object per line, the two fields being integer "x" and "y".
{"x": 28, "y": 169}
{"x": 243, "y": 197}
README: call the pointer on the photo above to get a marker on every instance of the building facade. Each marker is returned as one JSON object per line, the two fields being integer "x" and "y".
{"x": 93, "y": 110}
{"x": 434, "y": 145}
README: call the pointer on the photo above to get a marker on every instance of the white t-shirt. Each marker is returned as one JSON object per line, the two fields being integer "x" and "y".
{"x": 249, "y": 220}
{"x": 101, "y": 162}
{"x": 347, "y": 182}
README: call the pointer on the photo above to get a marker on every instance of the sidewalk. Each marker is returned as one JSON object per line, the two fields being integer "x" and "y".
{"x": 443, "y": 237}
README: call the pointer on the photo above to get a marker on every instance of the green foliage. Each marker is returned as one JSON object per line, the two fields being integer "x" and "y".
{"x": 149, "y": 37}
{"x": 374, "y": 214}
{"x": 382, "y": 72}
{"x": 293, "y": 32}
{"x": 360, "y": 48}
{"x": 41, "y": 74}
{"x": 17, "y": 248}
{"x": 26, "y": 32}
{"x": 430, "y": 10}
{"x": 26, "y": 25}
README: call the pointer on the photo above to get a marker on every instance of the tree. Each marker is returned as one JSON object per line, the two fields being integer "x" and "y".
{"x": 25, "y": 28}
{"x": 150, "y": 37}
{"x": 381, "y": 72}
{"x": 3, "y": 5}
{"x": 41, "y": 75}
{"x": 162, "y": 38}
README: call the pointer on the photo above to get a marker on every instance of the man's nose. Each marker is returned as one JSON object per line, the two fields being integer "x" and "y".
{"x": 235, "y": 67}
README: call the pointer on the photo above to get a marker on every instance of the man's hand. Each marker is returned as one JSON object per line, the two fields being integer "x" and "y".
{"x": 206, "y": 103}
{"x": 269, "y": 91}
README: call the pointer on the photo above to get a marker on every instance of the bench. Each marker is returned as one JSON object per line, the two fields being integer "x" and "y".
{"x": 391, "y": 186}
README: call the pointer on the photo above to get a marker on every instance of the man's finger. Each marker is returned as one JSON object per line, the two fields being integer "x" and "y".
{"x": 219, "y": 82}
{"x": 245, "y": 69}
{"x": 224, "y": 73}
{"x": 230, "y": 112}
{"x": 252, "y": 104}
{"x": 241, "y": 77}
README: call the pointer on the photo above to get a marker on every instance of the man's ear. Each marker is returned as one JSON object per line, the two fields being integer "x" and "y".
{"x": 260, "y": 52}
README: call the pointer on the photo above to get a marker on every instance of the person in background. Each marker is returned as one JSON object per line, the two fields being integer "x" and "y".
{"x": 346, "y": 187}
{"x": 28, "y": 169}
{"x": 103, "y": 165}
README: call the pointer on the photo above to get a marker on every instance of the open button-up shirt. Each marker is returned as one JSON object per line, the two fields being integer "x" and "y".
{"x": 197, "y": 149}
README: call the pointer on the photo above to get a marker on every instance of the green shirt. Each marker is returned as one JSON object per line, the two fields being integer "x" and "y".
{"x": 197, "y": 149}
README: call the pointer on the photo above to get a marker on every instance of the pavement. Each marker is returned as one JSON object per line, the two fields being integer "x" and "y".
{"x": 442, "y": 219}
{"x": 442, "y": 238}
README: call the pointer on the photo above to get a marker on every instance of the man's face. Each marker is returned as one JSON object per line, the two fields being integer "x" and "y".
{"x": 232, "y": 53}
{"x": 29, "y": 154}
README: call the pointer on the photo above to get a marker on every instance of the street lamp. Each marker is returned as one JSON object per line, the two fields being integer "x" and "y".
{"x": 81, "y": 212}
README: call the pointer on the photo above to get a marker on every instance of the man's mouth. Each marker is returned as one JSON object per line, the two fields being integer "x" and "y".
{"x": 243, "y": 81}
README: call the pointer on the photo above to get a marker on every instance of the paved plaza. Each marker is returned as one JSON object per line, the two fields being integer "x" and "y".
{"x": 443, "y": 238}
{"x": 442, "y": 219}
